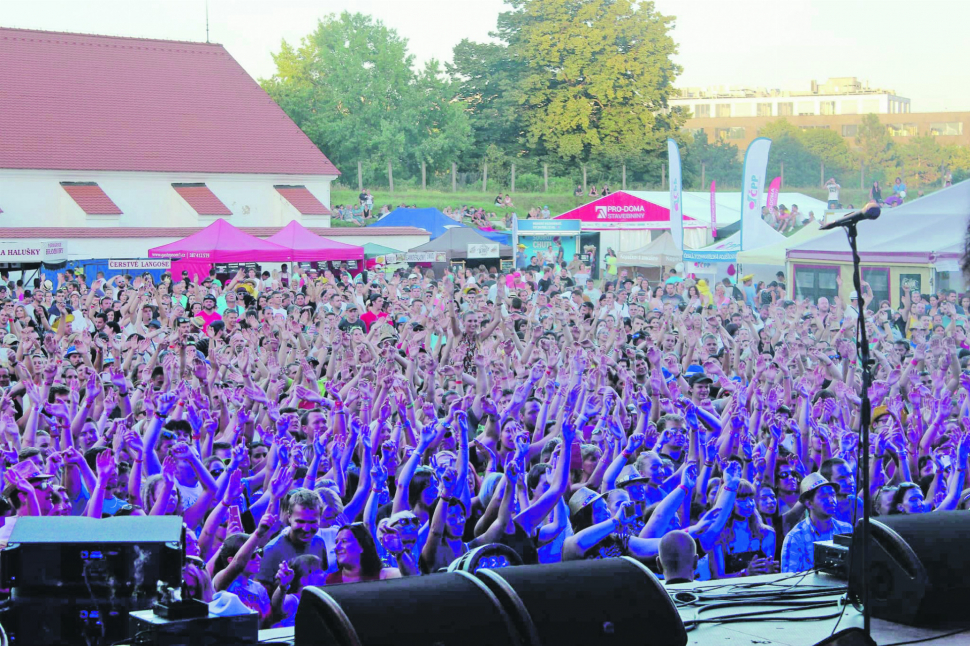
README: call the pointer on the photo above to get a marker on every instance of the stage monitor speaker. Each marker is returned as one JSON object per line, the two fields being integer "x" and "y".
{"x": 76, "y": 555}
{"x": 445, "y": 609}
{"x": 578, "y": 603}
{"x": 919, "y": 568}
{"x": 58, "y": 620}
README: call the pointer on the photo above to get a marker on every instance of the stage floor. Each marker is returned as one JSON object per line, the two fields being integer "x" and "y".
{"x": 786, "y": 631}
{"x": 792, "y": 632}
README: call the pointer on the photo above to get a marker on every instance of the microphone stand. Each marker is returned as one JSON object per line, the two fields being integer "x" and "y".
{"x": 862, "y": 346}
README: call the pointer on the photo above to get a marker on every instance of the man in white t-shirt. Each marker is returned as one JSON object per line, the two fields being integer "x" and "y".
{"x": 834, "y": 190}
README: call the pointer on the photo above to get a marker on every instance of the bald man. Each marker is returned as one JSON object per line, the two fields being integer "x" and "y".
{"x": 678, "y": 557}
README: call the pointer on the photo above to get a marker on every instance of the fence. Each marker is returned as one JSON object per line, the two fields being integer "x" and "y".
{"x": 530, "y": 177}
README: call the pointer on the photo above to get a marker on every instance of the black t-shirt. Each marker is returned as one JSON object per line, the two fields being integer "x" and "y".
{"x": 610, "y": 547}
{"x": 346, "y": 326}
{"x": 523, "y": 545}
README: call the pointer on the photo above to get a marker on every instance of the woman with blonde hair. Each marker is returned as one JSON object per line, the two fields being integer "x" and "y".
{"x": 746, "y": 546}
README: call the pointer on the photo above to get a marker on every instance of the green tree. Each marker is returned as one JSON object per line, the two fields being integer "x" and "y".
{"x": 780, "y": 128}
{"x": 720, "y": 159}
{"x": 351, "y": 88}
{"x": 958, "y": 162}
{"x": 485, "y": 79}
{"x": 438, "y": 130}
{"x": 597, "y": 73}
{"x": 830, "y": 148}
{"x": 922, "y": 160}
{"x": 875, "y": 148}
{"x": 801, "y": 166}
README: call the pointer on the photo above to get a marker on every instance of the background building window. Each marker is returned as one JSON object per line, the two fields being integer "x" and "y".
{"x": 764, "y": 109}
{"x": 902, "y": 129}
{"x": 827, "y": 107}
{"x": 815, "y": 282}
{"x": 785, "y": 109}
{"x": 878, "y": 279}
{"x": 849, "y": 107}
{"x": 743, "y": 109}
{"x": 951, "y": 128}
{"x": 806, "y": 108}
{"x": 702, "y": 110}
{"x": 723, "y": 109}
{"x": 735, "y": 133}
{"x": 850, "y": 129}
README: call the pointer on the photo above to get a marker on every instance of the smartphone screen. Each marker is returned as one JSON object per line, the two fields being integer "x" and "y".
{"x": 235, "y": 517}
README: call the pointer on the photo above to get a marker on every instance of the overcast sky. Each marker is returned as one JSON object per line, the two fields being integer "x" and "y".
{"x": 918, "y": 48}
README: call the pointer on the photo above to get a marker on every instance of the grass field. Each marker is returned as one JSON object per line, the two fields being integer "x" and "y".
{"x": 558, "y": 202}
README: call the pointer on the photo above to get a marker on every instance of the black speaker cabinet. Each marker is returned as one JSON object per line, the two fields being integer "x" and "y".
{"x": 919, "y": 568}
{"x": 579, "y": 603}
{"x": 84, "y": 556}
{"x": 444, "y": 609}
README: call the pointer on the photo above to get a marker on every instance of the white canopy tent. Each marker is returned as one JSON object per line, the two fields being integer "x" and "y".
{"x": 919, "y": 243}
{"x": 929, "y": 230}
{"x": 764, "y": 262}
{"x": 662, "y": 252}
{"x": 712, "y": 260}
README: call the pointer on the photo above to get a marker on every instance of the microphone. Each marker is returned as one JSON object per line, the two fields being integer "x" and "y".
{"x": 870, "y": 211}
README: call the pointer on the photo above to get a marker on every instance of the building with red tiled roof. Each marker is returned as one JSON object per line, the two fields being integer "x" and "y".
{"x": 129, "y": 133}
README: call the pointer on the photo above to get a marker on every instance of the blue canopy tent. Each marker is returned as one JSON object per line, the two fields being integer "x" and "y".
{"x": 90, "y": 269}
{"x": 431, "y": 220}
{"x": 500, "y": 237}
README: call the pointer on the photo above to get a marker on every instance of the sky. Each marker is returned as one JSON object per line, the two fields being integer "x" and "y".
{"x": 918, "y": 48}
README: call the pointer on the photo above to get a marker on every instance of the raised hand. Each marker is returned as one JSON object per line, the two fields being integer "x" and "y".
{"x": 106, "y": 466}
{"x": 634, "y": 442}
{"x": 688, "y": 477}
{"x": 169, "y": 468}
{"x": 266, "y": 523}
{"x": 166, "y": 402}
{"x": 280, "y": 483}
{"x": 732, "y": 474}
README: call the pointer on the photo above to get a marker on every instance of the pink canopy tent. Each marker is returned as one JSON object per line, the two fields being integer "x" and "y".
{"x": 222, "y": 242}
{"x": 624, "y": 210}
{"x": 217, "y": 243}
{"x": 305, "y": 245}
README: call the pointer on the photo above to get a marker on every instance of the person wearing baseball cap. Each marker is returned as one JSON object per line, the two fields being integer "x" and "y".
{"x": 820, "y": 498}
{"x": 209, "y": 315}
{"x": 700, "y": 385}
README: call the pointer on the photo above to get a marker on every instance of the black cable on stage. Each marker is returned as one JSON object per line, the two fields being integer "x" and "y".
{"x": 759, "y": 615}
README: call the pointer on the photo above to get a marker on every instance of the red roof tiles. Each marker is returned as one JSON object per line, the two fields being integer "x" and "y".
{"x": 200, "y": 198}
{"x": 83, "y": 102}
{"x": 91, "y": 198}
{"x": 69, "y": 233}
{"x": 303, "y": 200}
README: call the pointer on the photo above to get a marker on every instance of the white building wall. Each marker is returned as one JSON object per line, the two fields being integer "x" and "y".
{"x": 36, "y": 198}
{"x": 748, "y": 106}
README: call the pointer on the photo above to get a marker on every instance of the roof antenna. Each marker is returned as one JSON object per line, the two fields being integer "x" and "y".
{"x": 207, "y": 21}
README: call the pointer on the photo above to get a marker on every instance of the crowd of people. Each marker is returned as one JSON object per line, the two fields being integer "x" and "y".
{"x": 323, "y": 427}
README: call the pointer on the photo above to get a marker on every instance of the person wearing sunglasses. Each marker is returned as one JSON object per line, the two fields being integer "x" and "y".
{"x": 238, "y": 562}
